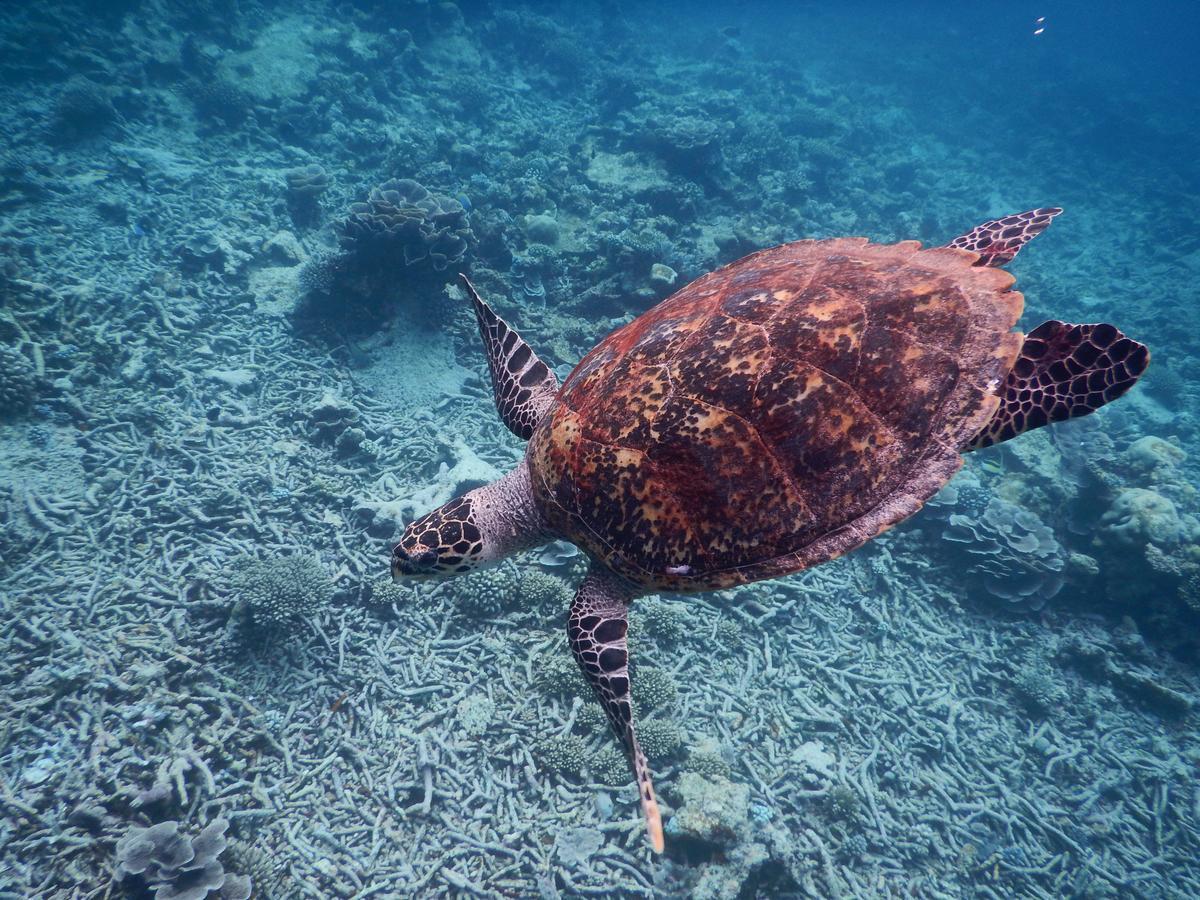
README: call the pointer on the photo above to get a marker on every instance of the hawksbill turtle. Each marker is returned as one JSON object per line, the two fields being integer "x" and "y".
{"x": 773, "y": 414}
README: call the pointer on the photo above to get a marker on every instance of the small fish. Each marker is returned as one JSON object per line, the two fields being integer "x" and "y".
{"x": 1038, "y": 30}
{"x": 465, "y": 201}
{"x": 678, "y": 570}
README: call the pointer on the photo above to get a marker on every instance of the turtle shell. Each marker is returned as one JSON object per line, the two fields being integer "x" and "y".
{"x": 777, "y": 412}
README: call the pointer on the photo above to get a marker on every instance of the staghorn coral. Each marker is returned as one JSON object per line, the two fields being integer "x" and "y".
{"x": 178, "y": 867}
{"x": 1013, "y": 551}
{"x": 279, "y": 591}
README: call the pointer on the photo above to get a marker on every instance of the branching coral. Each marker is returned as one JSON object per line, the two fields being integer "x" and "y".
{"x": 561, "y": 753}
{"x": 279, "y": 591}
{"x": 559, "y": 674}
{"x": 609, "y": 766}
{"x": 660, "y": 739}
{"x": 653, "y": 688}
{"x": 663, "y": 620}
{"x": 18, "y": 381}
{"x": 541, "y": 591}
{"x": 483, "y": 594}
{"x": 82, "y": 109}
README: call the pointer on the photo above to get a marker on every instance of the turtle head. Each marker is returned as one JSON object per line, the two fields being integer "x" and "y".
{"x": 444, "y": 542}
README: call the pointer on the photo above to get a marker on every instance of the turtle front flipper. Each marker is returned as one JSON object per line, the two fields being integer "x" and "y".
{"x": 523, "y": 385}
{"x": 1064, "y": 371}
{"x": 596, "y": 629}
{"x": 1000, "y": 240}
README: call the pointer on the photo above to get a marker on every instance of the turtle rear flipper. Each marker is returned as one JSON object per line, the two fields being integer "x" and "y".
{"x": 522, "y": 385}
{"x": 1063, "y": 371}
{"x": 596, "y": 630}
{"x": 999, "y": 241}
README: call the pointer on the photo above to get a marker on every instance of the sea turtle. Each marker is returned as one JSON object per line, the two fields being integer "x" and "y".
{"x": 771, "y": 415}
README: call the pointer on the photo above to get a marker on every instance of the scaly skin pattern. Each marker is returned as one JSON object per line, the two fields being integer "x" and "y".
{"x": 777, "y": 412}
{"x": 482, "y": 526}
{"x": 1064, "y": 371}
{"x": 999, "y": 241}
{"x": 522, "y": 385}
{"x": 596, "y": 629}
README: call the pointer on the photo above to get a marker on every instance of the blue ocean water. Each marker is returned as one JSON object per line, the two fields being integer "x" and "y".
{"x": 237, "y": 363}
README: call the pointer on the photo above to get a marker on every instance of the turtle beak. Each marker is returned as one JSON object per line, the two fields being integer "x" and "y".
{"x": 420, "y": 564}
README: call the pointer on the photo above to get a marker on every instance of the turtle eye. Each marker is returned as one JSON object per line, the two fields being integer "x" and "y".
{"x": 425, "y": 557}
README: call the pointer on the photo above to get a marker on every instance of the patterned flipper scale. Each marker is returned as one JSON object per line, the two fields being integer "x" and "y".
{"x": 997, "y": 242}
{"x": 1063, "y": 371}
{"x": 596, "y": 629}
{"x": 523, "y": 385}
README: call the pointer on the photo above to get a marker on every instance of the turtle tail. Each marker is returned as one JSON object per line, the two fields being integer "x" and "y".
{"x": 1063, "y": 371}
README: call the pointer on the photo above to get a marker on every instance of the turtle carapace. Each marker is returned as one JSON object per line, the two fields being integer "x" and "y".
{"x": 771, "y": 415}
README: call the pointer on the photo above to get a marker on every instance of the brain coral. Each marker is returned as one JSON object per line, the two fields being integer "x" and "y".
{"x": 1139, "y": 516}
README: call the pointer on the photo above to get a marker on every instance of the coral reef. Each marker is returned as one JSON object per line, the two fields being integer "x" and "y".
{"x": 84, "y": 108}
{"x": 400, "y": 241}
{"x": 653, "y": 688}
{"x": 400, "y": 220}
{"x": 279, "y": 591}
{"x": 173, "y": 177}
{"x": 661, "y": 739}
{"x": 711, "y": 810}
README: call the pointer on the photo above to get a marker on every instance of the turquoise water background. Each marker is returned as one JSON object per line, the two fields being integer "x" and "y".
{"x": 233, "y": 364}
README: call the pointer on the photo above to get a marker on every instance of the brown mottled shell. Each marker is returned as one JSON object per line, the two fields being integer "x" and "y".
{"x": 777, "y": 412}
